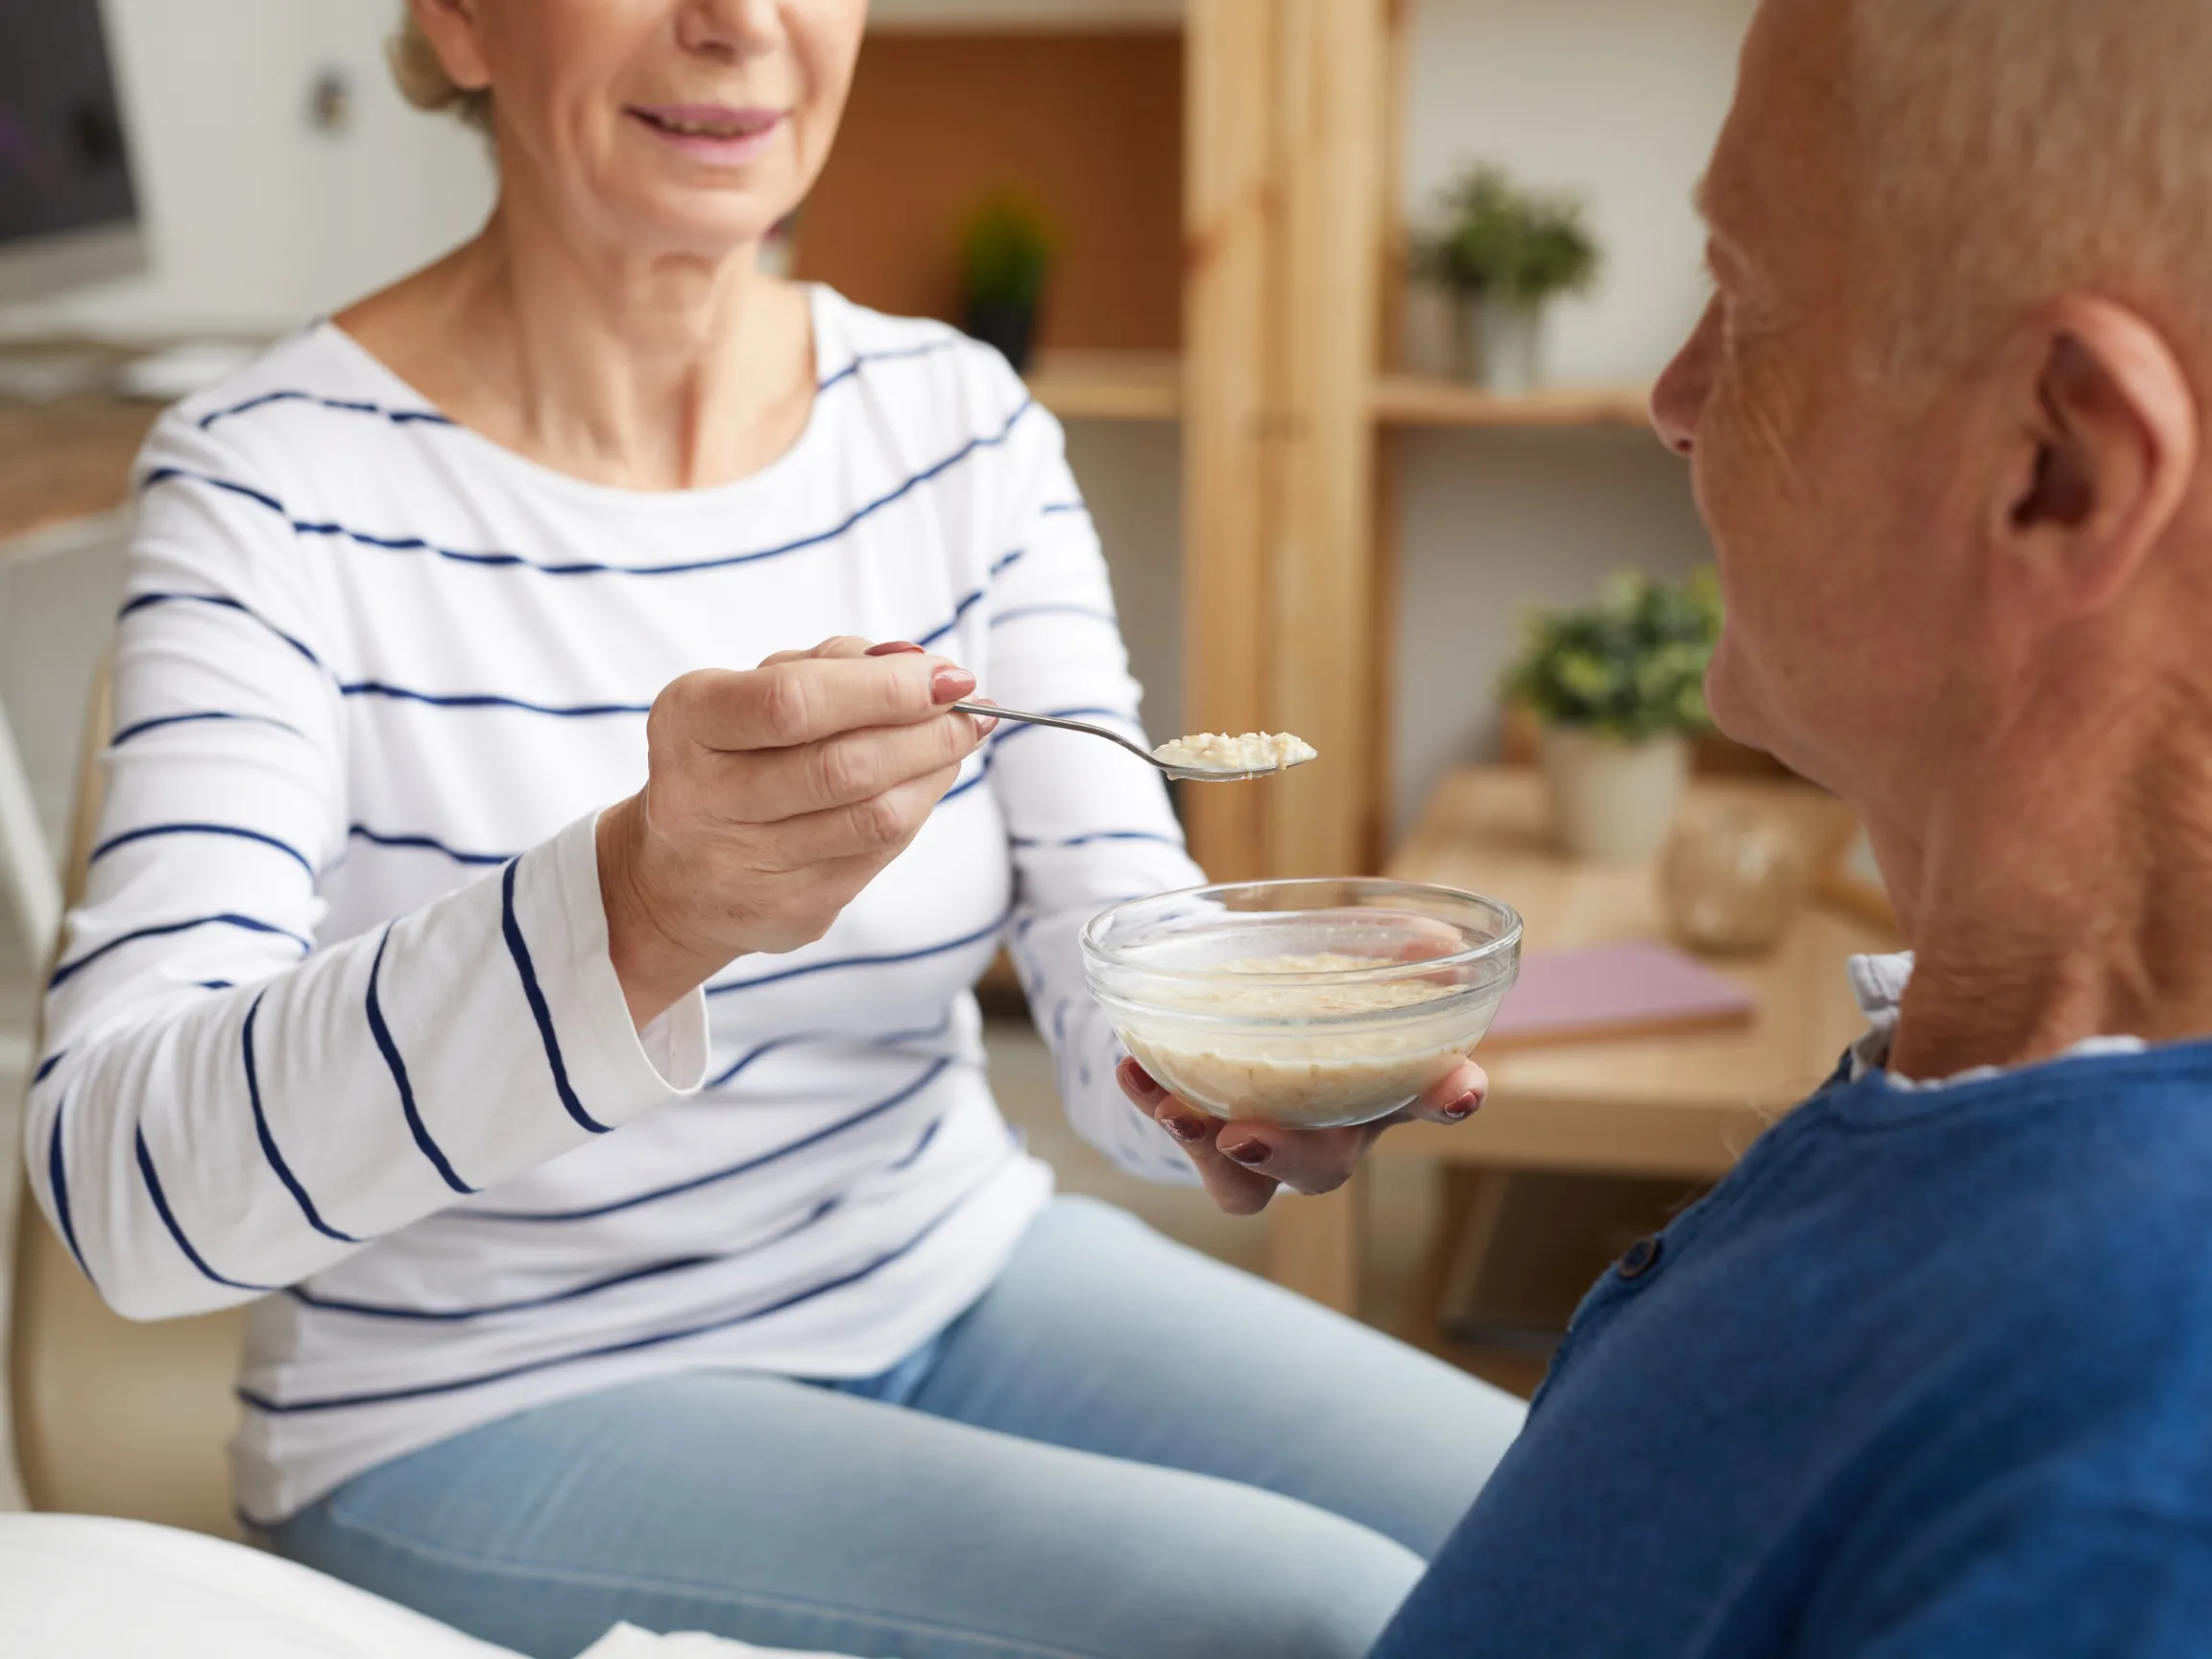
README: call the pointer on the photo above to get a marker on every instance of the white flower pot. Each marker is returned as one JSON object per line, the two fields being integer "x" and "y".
{"x": 1614, "y": 801}
{"x": 1503, "y": 344}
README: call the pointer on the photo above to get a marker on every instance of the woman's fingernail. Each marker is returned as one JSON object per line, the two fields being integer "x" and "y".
{"x": 1135, "y": 1077}
{"x": 951, "y": 685}
{"x": 1463, "y": 1108}
{"x": 985, "y": 724}
{"x": 1249, "y": 1153}
{"x": 1183, "y": 1126}
{"x": 894, "y": 648}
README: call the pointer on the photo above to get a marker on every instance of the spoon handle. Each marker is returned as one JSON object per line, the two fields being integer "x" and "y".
{"x": 992, "y": 711}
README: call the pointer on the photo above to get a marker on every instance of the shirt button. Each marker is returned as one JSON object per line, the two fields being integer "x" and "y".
{"x": 1639, "y": 1257}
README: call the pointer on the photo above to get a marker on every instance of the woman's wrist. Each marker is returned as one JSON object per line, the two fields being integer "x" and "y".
{"x": 656, "y": 969}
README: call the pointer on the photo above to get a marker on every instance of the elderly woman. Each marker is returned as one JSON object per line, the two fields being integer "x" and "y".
{"x": 629, "y": 1228}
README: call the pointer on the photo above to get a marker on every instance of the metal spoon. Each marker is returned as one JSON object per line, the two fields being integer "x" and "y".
{"x": 1188, "y": 774}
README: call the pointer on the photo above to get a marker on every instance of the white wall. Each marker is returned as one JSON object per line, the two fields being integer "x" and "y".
{"x": 1619, "y": 101}
{"x": 255, "y": 219}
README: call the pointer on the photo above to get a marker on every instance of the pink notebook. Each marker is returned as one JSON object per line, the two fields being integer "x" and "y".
{"x": 1635, "y": 990}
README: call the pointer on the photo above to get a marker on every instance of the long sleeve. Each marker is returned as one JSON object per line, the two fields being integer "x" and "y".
{"x": 227, "y": 1105}
{"x": 1089, "y": 824}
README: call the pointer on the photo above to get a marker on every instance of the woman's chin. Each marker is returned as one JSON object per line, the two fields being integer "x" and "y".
{"x": 699, "y": 224}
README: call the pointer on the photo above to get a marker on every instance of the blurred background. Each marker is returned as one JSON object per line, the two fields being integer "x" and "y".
{"x": 1351, "y": 309}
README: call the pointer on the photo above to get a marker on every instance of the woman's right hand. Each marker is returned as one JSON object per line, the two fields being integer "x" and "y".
{"x": 772, "y": 797}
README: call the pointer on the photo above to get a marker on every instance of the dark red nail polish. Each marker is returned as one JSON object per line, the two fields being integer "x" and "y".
{"x": 1136, "y": 1077}
{"x": 1250, "y": 1153}
{"x": 1463, "y": 1108}
{"x": 894, "y": 648}
{"x": 1183, "y": 1126}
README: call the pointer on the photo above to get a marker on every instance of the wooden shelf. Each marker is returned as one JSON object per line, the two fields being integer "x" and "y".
{"x": 1425, "y": 400}
{"x": 1109, "y": 385}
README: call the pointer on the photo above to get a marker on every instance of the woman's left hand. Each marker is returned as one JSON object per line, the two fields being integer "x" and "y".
{"x": 1243, "y": 1163}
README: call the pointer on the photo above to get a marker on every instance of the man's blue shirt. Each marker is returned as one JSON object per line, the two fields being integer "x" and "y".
{"x": 1929, "y": 1374}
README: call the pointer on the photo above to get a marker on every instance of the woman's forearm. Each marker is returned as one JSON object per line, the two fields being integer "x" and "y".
{"x": 196, "y": 1151}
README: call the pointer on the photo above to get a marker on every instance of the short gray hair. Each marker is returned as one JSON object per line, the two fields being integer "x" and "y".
{"x": 423, "y": 79}
{"x": 2017, "y": 150}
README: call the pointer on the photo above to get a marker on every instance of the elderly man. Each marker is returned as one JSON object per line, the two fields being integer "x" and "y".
{"x": 1932, "y": 1372}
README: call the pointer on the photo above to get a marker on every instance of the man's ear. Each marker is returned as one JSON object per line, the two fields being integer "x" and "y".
{"x": 2104, "y": 463}
{"x": 450, "y": 28}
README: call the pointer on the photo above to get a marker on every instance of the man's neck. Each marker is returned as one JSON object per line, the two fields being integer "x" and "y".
{"x": 2061, "y": 889}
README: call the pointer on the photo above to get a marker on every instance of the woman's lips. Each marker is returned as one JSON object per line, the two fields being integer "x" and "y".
{"x": 713, "y": 132}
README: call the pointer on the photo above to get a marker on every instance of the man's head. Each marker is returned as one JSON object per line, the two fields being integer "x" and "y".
{"x": 1945, "y": 410}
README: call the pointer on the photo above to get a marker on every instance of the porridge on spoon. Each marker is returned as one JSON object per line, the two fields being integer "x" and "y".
{"x": 1218, "y": 752}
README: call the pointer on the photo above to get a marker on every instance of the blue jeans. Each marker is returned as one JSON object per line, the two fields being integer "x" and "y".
{"x": 1125, "y": 1451}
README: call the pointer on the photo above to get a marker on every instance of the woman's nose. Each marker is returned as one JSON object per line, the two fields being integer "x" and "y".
{"x": 729, "y": 28}
{"x": 1678, "y": 400}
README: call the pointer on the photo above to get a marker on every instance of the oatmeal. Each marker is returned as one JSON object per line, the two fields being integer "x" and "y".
{"x": 1254, "y": 751}
{"x": 1315, "y": 1077}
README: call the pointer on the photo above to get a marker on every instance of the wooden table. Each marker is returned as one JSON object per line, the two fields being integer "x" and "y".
{"x": 1661, "y": 1106}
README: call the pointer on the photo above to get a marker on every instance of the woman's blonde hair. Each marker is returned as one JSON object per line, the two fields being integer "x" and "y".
{"x": 423, "y": 79}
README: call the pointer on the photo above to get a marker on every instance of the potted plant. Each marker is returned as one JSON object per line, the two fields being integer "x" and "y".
{"x": 1619, "y": 689}
{"x": 1006, "y": 252}
{"x": 1505, "y": 254}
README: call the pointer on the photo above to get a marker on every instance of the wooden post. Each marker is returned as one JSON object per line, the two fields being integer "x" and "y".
{"x": 1230, "y": 194}
{"x": 1286, "y": 195}
{"x": 1328, "y": 118}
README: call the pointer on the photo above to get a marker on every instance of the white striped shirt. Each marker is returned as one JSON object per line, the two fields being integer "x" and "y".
{"x": 336, "y": 1019}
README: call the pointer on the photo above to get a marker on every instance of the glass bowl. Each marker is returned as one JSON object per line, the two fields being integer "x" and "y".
{"x": 1314, "y": 1004}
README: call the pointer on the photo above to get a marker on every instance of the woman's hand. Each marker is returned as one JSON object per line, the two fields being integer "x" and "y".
{"x": 772, "y": 797}
{"x": 1243, "y": 1163}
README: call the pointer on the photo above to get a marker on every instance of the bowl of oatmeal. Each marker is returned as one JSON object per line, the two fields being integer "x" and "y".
{"x": 1315, "y": 1004}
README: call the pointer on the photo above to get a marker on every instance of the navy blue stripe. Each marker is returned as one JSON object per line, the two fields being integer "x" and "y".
{"x": 487, "y": 700}
{"x": 1100, "y": 835}
{"x": 70, "y": 970}
{"x": 520, "y": 949}
{"x": 429, "y": 844}
{"x": 164, "y": 474}
{"x": 936, "y": 1069}
{"x": 920, "y": 1146}
{"x": 959, "y": 610}
{"x": 654, "y": 1271}
{"x": 145, "y": 726}
{"x": 153, "y": 830}
{"x": 218, "y": 985}
{"x": 58, "y": 1178}
{"x": 888, "y": 1040}
{"x": 957, "y": 790}
{"x": 47, "y": 1065}
{"x": 390, "y": 1049}
{"x": 222, "y": 602}
{"x": 1050, "y": 508}
{"x": 269, "y": 1140}
{"x": 637, "y": 1344}
{"x": 344, "y": 405}
{"x": 1023, "y": 613}
{"x": 450, "y": 1315}
{"x": 972, "y": 600}
{"x": 169, "y": 1220}
{"x": 891, "y": 959}
{"x": 927, "y": 348}
{"x": 592, "y": 566}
